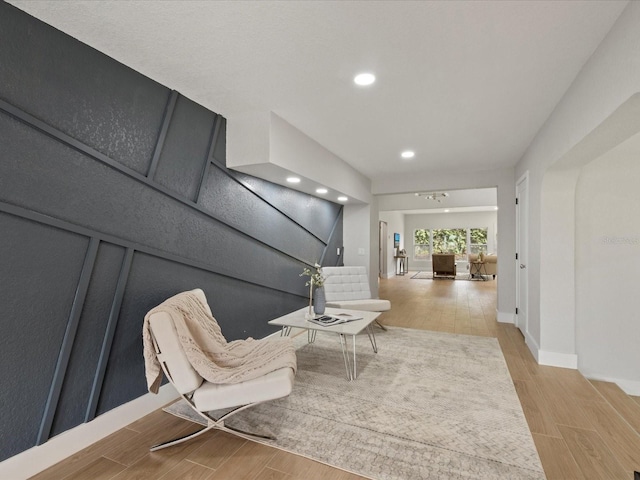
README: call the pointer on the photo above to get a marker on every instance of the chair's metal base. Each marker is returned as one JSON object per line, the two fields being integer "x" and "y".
{"x": 212, "y": 424}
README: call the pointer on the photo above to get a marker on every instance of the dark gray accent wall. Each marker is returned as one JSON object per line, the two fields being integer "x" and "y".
{"x": 114, "y": 195}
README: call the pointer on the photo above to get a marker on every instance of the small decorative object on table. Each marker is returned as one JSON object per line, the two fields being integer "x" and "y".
{"x": 316, "y": 281}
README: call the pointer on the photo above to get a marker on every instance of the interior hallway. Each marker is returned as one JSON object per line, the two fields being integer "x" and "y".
{"x": 582, "y": 429}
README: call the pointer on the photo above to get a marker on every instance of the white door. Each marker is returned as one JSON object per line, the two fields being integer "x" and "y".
{"x": 382, "y": 254}
{"x": 522, "y": 273}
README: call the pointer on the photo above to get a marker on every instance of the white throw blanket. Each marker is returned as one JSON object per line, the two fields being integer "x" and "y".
{"x": 215, "y": 359}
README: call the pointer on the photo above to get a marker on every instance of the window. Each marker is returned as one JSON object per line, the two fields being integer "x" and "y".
{"x": 421, "y": 244}
{"x": 478, "y": 240}
{"x": 459, "y": 241}
{"x": 452, "y": 240}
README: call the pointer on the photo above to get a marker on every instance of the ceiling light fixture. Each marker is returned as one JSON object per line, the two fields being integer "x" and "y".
{"x": 364, "y": 79}
{"x": 437, "y": 196}
{"x": 342, "y": 199}
{"x": 408, "y": 154}
{"x": 321, "y": 191}
{"x": 293, "y": 180}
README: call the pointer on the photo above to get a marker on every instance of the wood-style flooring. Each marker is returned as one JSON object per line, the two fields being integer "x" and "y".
{"x": 582, "y": 429}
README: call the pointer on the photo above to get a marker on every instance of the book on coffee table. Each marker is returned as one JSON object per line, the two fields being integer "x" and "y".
{"x": 335, "y": 319}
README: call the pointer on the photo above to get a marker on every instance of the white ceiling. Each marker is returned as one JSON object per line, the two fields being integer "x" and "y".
{"x": 466, "y": 84}
{"x": 456, "y": 201}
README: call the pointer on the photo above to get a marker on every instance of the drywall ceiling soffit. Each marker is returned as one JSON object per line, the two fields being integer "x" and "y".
{"x": 471, "y": 200}
{"x": 466, "y": 84}
{"x": 287, "y": 152}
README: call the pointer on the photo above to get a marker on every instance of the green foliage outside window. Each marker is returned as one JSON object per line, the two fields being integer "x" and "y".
{"x": 478, "y": 238}
{"x": 421, "y": 243}
{"x": 453, "y": 240}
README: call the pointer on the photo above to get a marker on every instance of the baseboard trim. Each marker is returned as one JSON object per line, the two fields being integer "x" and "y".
{"x": 630, "y": 387}
{"x": 555, "y": 359}
{"x": 503, "y": 317}
{"x": 533, "y": 346}
{"x": 37, "y": 459}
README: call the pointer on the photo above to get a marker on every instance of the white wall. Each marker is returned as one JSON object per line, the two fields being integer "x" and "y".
{"x": 449, "y": 220}
{"x": 607, "y": 81}
{"x": 395, "y": 224}
{"x": 607, "y": 265}
{"x": 359, "y": 244}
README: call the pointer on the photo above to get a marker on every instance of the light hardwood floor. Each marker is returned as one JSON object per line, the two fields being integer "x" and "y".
{"x": 582, "y": 429}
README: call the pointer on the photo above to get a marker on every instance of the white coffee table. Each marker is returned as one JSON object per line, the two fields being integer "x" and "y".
{"x": 298, "y": 319}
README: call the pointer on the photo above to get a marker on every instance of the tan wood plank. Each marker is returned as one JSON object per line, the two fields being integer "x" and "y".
{"x": 271, "y": 474}
{"x": 304, "y": 468}
{"x": 623, "y": 440}
{"x": 517, "y": 367}
{"x": 148, "y": 422}
{"x": 625, "y": 405}
{"x": 246, "y": 464}
{"x": 556, "y": 458}
{"x": 85, "y": 456}
{"x": 155, "y": 464}
{"x": 535, "y": 409}
{"x": 593, "y": 456}
{"x": 167, "y": 427}
{"x": 578, "y": 388}
{"x": 186, "y": 470}
{"x": 217, "y": 449}
{"x": 562, "y": 411}
{"x": 99, "y": 469}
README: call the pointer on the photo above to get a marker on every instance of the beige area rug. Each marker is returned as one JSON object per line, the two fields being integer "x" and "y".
{"x": 429, "y": 405}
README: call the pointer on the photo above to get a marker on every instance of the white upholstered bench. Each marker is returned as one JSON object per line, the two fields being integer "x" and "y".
{"x": 348, "y": 287}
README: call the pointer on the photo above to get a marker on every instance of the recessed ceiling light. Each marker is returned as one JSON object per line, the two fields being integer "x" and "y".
{"x": 321, "y": 190}
{"x": 293, "y": 180}
{"x": 446, "y": 210}
{"x": 342, "y": 199}
{"x": 495, "y": 208}
{"x": 364, "y": 79}
{"x": 408, "y": 154}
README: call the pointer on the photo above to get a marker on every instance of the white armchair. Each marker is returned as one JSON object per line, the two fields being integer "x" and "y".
{"x": 348, "y": 287}
{"x": 204, "y": 396}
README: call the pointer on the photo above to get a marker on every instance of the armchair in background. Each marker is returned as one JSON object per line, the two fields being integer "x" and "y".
{"x": 348, "y": 287}
{"x": 444, "y": 265}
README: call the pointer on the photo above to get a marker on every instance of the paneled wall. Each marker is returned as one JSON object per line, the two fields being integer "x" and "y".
{"x": 114, "y": 195}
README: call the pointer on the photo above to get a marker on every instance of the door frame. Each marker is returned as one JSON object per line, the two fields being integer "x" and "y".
{"x": 522, "y": 253}
{"x": 382, "y": 249}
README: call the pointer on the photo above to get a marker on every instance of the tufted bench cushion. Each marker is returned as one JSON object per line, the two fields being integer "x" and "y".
{"x": 348, "y": 287}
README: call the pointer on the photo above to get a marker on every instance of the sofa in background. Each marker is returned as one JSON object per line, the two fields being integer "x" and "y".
{"x": 490, "y": 263}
